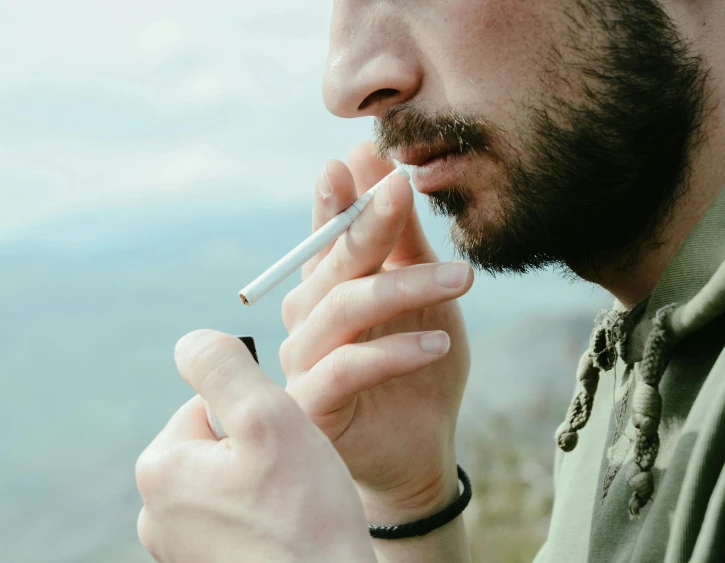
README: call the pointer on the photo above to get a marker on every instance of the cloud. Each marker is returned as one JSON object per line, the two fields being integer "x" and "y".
{"x": 146, "y": 49}
{"x": 108, "y": 103}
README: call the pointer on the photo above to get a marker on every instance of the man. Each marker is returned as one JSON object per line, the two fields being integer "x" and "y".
{"x": 587, "y": 134}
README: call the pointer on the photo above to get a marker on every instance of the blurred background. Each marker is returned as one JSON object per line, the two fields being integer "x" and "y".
{"x": 155, "y": 156}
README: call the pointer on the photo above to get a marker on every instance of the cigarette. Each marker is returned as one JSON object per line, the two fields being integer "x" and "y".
{"x": 304, "y": 251}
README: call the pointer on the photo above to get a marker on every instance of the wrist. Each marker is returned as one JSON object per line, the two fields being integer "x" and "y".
{"x": 418, "y": 499}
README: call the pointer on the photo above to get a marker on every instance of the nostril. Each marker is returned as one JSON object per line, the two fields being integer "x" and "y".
{"x": 377, "y": 97}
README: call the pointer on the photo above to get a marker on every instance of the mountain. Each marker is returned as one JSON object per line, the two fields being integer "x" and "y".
{"x": 91, "y": 308}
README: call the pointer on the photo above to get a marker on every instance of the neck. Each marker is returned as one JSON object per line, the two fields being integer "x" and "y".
{"x": 703, "y": 26}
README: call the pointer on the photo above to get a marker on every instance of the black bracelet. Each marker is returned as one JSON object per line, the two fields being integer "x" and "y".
{"x": 427, "y": 525}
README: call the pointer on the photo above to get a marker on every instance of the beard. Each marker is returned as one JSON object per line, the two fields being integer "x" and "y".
{"x": 590, "y": 182}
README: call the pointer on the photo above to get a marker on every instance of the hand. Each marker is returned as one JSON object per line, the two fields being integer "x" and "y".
{"x": 274, "y": 490}
{"x": 361, "y": 359}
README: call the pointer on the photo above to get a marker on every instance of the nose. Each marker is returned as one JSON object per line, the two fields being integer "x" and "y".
{"x": 372, "y": 64}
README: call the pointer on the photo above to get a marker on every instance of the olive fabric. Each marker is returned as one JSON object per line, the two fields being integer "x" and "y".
{"x": 640, "y": 474}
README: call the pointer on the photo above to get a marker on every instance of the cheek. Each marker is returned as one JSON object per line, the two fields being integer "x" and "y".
{"x": 486, "y": 54}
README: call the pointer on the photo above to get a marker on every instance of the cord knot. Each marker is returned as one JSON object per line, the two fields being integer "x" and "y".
{"x": 566, "y": 437}
{"x": 609, "y": 331}
{"x": 647, "y": 411}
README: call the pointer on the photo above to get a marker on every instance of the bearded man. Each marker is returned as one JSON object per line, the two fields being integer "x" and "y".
{"x": 587, "y": 135}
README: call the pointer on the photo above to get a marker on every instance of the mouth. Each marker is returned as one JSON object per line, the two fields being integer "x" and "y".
{"x": 434, "y": 168}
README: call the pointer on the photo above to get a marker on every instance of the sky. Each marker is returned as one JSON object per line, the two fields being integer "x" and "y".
{"x": 112, "y": 108}
{"x": 123, "y": 103}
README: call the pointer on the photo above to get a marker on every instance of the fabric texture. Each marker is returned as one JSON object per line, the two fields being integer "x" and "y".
{"x": 640, "y": 471}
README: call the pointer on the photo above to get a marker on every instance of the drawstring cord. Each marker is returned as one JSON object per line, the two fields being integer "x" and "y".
{"x": 609, "y": 330}
{"x": 567, "y": 436}
{"x": 671, "y": 324}
{"x": 647, "y": 411}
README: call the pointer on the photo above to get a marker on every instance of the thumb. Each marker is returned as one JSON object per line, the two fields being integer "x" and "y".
{"x": 367, "y": 169}
{"x": 221, "y": 369}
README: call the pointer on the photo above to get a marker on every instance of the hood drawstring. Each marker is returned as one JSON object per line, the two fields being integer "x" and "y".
{"x": 609, "y": 330}
{"x": 567, "y": 436}
{"x": 671, "y": 324}
{"x": 647, "y": 410}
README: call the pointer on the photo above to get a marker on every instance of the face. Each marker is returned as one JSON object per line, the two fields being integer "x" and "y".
{"x": 549, "y": 131}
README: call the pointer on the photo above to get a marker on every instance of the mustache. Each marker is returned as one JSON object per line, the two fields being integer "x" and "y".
{"x": 407, "y": 126}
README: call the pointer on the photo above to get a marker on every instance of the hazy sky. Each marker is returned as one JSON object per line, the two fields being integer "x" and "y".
{"x": 116, "y": 103}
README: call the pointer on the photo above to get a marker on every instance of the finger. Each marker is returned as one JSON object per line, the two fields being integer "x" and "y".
{"x": 168, "y": 447}
{"x": 354, "y": 368}
{"x": 367, "y": 169}
{"x": 145, "y": 529}
{"x": 413, "y": 246}
{"x": 187, "y": 423}
{"x": 357, "y": 305}
{"x": 222, "y": 370}
{"x": 334, "y": 192}
{"x": 360, "y": 251}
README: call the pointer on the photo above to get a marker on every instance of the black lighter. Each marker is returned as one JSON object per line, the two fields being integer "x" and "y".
{"x": 249, "y": 343}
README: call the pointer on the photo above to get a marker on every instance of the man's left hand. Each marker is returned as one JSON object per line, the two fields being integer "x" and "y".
{"x": 274, "y": 490}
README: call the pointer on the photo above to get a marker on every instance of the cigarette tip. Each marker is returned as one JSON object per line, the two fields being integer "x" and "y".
{"x": 244, "y": 299}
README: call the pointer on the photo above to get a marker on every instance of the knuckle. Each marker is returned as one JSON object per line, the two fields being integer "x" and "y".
{"x": 260, "y": 423}
{"x": 384, "y": 358}
{"x": 335, "y": 262}
{"x": 147, "y": 473}
{"x": 399, "y": 294}
{"x": 400, "y": 285}
{"x": 338, "y": 303}
{"x": 154, "y": 470}
{"x": 286, "y": 356}
{"x": 289, "y": 307}
{"x": 339, "y": 367}
{"x": 144, "y": 530}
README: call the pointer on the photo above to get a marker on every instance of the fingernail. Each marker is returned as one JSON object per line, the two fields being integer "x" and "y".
{"x": 382, "y": 197}
{"x": 323, "y": 184}
{"x": 436, "y": 342}
{"x": 452, "y": 275}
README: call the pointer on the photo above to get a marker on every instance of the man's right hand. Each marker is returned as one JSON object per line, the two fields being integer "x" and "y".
{"x": 377, "y": 354}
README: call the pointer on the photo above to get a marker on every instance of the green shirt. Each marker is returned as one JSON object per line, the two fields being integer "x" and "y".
{"x": 683, "y": 519}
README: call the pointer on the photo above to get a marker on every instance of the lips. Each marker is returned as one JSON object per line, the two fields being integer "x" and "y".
{"x": 419, "y": 156}
{"x": 434, "y": 168}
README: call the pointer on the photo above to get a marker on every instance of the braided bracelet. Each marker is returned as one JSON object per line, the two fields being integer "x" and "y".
{"x": 427, "y": 525}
